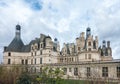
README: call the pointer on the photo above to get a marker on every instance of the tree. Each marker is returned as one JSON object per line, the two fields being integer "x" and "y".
{"x": 24, "y": 79}
{"x": 8, "y": 75}
{"x": 50, "y": 76}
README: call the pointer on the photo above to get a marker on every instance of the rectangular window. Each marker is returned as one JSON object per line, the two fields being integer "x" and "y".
{"x": 65, "y": 59}
{"x": 35, "y": 61}
{"x": 9, "y": 54}
{"x": 41, "y": 45}
{"x": 70, "y": 70}
{"x": 85, "y": 56}
{"x": 40, "y": 69}
{"x": 72, "y": 60}
{"x": 31, "y": 61}
{"x": 118, "y": 72}
{"x": 35, "y": 53}
{"x": 89, "y": 49}
{"x": 32, "y": 48}
{"x": 26, "y": 61}
{"x": 40, "y": 60}
{"x": 36, "y": 47}
{"x": 9, "y": 61}
{"x": 61, "y": 59}
{"x": 78, "y": 48}
{"x": 22, "y": 61}
{"x": 41, "y": 52}
{"x": 88, "y": 72}
{"x": 104, "y": 71}
{"x": 89, "y": 56}
{"x": 65, "y": 71}
{"x": 75, "y": 71}
{"x": 32, "y": 54}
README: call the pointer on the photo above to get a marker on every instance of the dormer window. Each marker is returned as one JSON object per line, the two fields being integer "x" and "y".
{"x": 9, "y": 54}
{"x": 89, "y": 43}
{"x": 32, "y": 48}
{"x": 35, "y": 47}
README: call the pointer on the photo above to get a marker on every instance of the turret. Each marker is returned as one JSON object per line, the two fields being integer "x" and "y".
{"x": 18, "y": 31}
{"x": 56, "y": 45}
{"x": 88, "y": 32}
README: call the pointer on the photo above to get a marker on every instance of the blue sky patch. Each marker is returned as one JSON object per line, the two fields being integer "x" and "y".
{"x": 2, "y": 4}
{"x": 35, "y": 4}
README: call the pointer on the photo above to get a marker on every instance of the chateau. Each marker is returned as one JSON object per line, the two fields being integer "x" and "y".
{"x": 82, "y": 59}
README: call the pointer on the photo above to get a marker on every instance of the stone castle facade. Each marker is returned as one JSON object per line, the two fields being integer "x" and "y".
{"x": 81, "y": 59}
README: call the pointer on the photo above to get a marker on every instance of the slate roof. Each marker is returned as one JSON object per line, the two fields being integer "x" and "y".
{"x": 16, "y": 45}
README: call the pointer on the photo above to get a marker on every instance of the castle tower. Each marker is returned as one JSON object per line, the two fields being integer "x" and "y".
{"x": 16, "y": 44}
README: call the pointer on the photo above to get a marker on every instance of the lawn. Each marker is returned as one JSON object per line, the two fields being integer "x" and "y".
{"x": 82, "y": 82}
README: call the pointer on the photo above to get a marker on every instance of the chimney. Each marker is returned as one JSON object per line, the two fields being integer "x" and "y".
{"x": 104, "y": 43}
{"x": 5, "y": 48}
{"x": 18, "y": 32}
{"x": 108, "y": 44}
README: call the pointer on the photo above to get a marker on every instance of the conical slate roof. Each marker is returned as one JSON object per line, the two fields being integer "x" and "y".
{"x": 16, "y": 45}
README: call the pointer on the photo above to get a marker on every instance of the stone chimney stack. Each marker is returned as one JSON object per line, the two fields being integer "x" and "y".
{"x": 104, "y": 43}
{"x": 108, "y": 44}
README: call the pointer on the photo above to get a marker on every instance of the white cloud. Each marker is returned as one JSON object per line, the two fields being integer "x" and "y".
{"x": 61, "y": 18}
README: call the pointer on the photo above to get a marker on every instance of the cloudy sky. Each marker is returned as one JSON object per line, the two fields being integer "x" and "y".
{"x": 64, "y": 19}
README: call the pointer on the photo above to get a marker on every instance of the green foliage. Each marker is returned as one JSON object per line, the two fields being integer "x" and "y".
{"x": 50, "y": 76}
{"x": 24, "y": 79}
{"x": 19, "y": 75}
